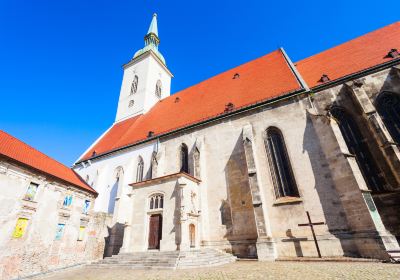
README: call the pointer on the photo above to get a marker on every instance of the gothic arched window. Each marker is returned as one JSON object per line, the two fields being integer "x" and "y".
{"x": 153, "y": 165}
{"x": 359, "y": 148}
{"x": 196, "y": 163}
{"x": 156, "y": 201}
{"x": 139, "y": 170}
{"x": 388, "y": 106}
{"x": 115, "y": 189}
{"x": 134, "y": 85}
{"x": 184, "y": 159}
{"x": 158, "y": 89}
{"x": 282, "y": 174}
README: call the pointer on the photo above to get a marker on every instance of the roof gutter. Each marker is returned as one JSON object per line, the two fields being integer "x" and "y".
{"x": 304, "y": 89}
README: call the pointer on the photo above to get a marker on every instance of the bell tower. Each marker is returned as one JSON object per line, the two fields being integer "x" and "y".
{"x": 146, "y": 78}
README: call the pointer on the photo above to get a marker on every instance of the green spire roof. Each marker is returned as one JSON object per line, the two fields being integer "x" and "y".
{"x": 151, "y": 40}
{"x": 153, "y": 26}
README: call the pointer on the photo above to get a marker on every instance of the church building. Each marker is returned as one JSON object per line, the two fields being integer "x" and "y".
{"x": 240, "y": 161}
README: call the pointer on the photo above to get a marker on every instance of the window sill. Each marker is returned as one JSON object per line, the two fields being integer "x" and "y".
{"x": 155, "y": 211}
{"x": 287, "y": 200}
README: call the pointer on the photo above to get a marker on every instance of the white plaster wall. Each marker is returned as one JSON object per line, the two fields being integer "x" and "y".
{"x": 141, "y": 214}
{"x": 37, "y": 250}
{"x": 102, "y": 174}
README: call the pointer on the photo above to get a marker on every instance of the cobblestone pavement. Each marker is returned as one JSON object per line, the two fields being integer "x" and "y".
{"x": 245, "y": 270}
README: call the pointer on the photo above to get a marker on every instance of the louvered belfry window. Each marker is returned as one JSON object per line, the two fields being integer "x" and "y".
{"x": 359, "y": 148}
{"x": 281, "y": 171}
{"x": 388, "y": 106}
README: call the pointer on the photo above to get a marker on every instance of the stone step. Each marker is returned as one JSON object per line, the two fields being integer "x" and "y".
{"x": 139, "y": 267}
{"x": 205, "y": 259}
{"x": 166, "y": 260}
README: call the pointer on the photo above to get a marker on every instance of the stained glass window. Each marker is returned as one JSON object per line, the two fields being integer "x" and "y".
{"x": 359, "y": 148}
{"x": 282, "y": 174}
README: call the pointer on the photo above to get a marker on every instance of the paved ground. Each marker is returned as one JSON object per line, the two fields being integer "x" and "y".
{"x": 246, "y": 270}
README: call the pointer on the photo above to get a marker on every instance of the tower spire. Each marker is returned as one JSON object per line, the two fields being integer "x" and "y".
{"x": 151, "y": 37}
{"x": 153, "y": 26}
{"x": 151, "y": 40}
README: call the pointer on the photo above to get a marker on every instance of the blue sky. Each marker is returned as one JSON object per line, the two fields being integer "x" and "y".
{"x": 61, "y": 61}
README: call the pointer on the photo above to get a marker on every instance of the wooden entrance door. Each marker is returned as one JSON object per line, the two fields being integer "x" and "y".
{"x": 155, "y": 230}
{"x": 192, "y": 232}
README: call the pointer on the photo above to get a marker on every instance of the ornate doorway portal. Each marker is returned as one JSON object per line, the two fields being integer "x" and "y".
{"x": 155, "y": 231}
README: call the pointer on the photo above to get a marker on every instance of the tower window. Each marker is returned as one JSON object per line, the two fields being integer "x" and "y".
{"x": 131, "y": 103}
{"x": 134, "y": 84}
{"x": 158, "y": 89}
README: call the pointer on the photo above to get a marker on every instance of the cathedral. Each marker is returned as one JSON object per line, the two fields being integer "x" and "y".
{"x": 270, "y": 160}
{"x": 242, "y": 161}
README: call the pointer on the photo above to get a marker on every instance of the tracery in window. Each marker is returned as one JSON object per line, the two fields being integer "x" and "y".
{"x": 156, "y": 201}
{"x": 282, "y": 174}
{"x": 388, "y": 106}
{"x": 359, "y": 148}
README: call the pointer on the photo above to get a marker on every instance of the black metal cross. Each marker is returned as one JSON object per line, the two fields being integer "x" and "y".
{"x": 311, "y": 225}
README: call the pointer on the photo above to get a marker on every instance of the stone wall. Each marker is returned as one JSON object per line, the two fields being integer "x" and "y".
{"x": 37, "y": 249}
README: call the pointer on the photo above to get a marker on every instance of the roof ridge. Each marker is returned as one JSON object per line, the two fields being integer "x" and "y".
{"x": 370, "y": 33}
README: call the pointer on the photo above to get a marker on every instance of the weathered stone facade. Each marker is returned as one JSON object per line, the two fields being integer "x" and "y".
{"x": 37, "y": 249}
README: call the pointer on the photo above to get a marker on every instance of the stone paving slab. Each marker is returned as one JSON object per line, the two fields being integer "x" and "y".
{"x": 244, "y": 270}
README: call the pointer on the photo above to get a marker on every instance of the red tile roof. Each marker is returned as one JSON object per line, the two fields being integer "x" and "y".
{"x": 258, "y": 80}
{"x": 14, "y": 149}
{"x": 351, "y": 57}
